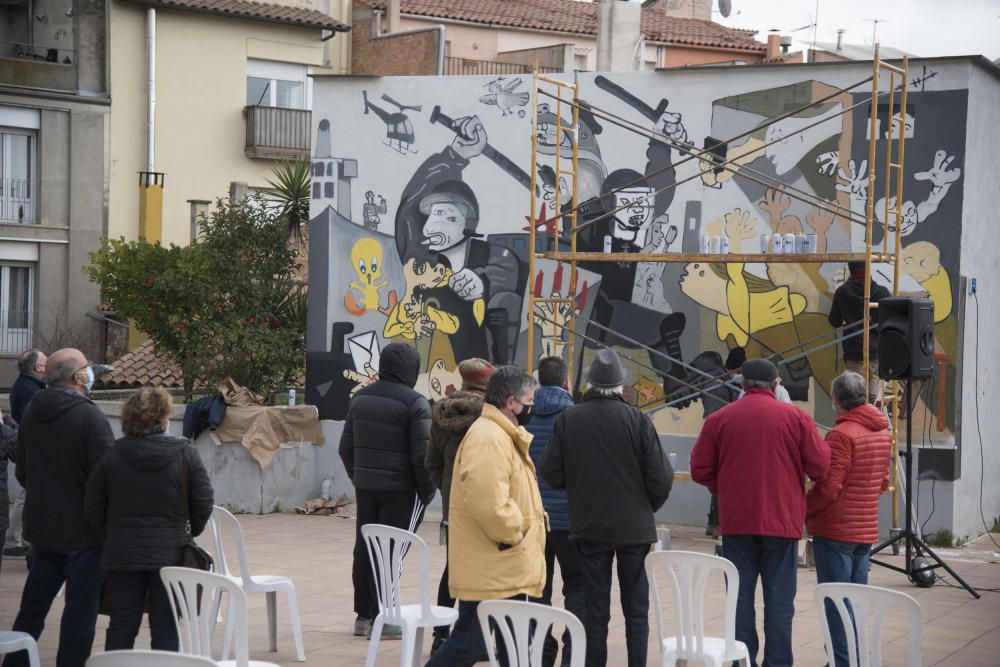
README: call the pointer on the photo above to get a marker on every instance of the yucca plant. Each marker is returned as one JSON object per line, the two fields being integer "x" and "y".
{"x": 291, "y": 187}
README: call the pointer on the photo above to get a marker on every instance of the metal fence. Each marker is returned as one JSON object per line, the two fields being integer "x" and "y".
{"x": 461, "y": 66}
{"x": 15, "y": 331}
{"x": 17, "y": 203}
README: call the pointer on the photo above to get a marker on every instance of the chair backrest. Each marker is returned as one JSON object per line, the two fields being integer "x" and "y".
{"x": 688, "y": 573}
{"x": 860, "y": 639}
{"x": 523, "y": 626}
{"x": 196, "y": 598}
{"x": 148, "y": 659}
{"x": 387, "y": 546}
{"x": 221, "y": 524}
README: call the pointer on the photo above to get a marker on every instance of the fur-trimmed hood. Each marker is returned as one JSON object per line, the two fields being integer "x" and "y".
{"x": 457, "y": 411}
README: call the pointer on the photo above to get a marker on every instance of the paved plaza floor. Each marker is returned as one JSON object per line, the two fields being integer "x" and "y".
{"x": 315, "y": 551}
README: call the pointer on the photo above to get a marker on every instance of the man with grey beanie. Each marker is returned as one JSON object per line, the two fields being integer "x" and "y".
{"x": 607, "y": 456}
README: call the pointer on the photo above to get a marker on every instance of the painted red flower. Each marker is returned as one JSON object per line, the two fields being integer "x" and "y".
{"x": 150, "y": 282}
{"x": 180, "y": 327}
{"x": 252, "y": 319}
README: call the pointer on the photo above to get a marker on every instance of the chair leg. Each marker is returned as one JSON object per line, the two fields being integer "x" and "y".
{"x": 418, "y": 646}
{"x": 272, "y": 621}
{"x": 227, "y": 632}
{"x": 373, "y": 642}
{"x": 293, "y": 612}
{"x": 409, "y": 641}
{"x": 33, "y": 659}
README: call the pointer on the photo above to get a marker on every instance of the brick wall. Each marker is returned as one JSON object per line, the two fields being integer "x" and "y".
{"x": 390, "y": 55}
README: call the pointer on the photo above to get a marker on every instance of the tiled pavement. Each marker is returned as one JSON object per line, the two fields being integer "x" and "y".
{"x": 316, "y": 552}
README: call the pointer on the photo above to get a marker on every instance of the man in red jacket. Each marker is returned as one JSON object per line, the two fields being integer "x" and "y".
{"x": 842, "y": 508}
{"x": 753, "y": 454}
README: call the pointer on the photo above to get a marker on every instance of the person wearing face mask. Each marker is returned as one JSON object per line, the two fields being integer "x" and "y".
{"x": 144, "y": 495}
{"x": 607, "y": 456}
{"x": 62, "y": 437}
{"x": 496, "y": 523}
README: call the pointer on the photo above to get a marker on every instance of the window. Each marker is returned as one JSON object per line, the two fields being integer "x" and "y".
{"x": 274, "y": 84}
{"x": 17, "y": 176}
{"x": 16, "y": 316}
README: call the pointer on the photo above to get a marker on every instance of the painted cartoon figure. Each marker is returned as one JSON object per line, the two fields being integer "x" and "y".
{"x": 371, "y": 211}
{"x": 366, "y": 260}
{"x": 414, "y": 317}
{"x": 922, "y": 261}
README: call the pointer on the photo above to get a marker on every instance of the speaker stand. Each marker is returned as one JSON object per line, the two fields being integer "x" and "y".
{"x": 914, "y": 546}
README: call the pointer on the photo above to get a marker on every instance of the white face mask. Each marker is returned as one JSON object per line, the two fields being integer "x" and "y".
{"x": 90, "y": 378}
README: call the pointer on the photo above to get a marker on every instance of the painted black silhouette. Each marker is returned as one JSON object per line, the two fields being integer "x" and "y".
{"x": 398, "y": 128}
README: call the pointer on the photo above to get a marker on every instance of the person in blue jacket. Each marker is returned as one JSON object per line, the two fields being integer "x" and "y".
{"x": 551, "y": 398}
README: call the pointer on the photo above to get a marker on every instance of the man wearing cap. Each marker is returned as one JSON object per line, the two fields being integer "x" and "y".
{"x": 439, "y": 214}
{"x": 607, "y": 456}
{"x": 451, "y": 418}
{"x": 753, "y": 455}
{"x": 847, "y": 310}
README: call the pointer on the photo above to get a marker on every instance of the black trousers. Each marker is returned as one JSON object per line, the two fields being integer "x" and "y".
{"x": 127, "y": 593}
{"x": 596, "y": 562}
{"x": 400, "y": 509}
{"x": 444, "y": 598}
{"x": 559, "y": 549}
{"x": 48, "y": 570}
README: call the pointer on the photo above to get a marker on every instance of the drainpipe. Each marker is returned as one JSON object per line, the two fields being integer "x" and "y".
{"x": 440, "y": 30}
{"x": 150, "y": 87}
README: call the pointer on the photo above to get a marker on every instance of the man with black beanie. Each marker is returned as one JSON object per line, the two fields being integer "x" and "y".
{"x": 847, "y": 310}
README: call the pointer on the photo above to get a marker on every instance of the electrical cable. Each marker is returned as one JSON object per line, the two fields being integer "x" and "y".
{"x": 928, "y": 441}
{"x": 979, "y": 431}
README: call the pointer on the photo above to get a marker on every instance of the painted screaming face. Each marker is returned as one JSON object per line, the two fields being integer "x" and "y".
{"x": 634, "y": 211}
{"x": 444, "y": 228}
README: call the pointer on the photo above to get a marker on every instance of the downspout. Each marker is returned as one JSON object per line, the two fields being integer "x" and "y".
{"x": 439, "y": 27}
{"x": 150, "y": 87}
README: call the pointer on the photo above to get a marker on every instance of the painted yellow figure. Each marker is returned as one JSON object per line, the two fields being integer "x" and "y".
{"x": 414, "y": 318}
{"x": 366, "y": 259}
{"x": 922, "y": 261}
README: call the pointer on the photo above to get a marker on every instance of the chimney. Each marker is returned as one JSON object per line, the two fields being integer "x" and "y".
{"x": 617, "y": 35}
{"x": 323, "y": 146}
{"x": 392, "y": 15}
{"x": 773, "y": 45}
{"x": 786, "y": 43}
{"x": 840, "y": 39}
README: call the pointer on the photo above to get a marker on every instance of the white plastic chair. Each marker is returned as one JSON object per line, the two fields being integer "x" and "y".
{"x": 12, "y": 642}
{"x": 195, "y": 599}
{"x": 859, "y": 640}
{"x": 387, "y": 546}
{"x": 139, "y": 658}
{"x": 530, "y": 623}
{"x": 223, "y": 523}
{"x": 688, "y": 574}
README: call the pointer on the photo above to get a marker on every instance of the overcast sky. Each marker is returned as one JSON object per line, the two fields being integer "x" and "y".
{"x": 922, "y": 27}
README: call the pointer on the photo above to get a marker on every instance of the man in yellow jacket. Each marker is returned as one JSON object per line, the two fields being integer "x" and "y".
{"x": 496, "y": 524}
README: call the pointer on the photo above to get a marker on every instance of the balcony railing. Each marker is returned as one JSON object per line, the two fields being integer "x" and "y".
{"x": 15, "y": 331}
{"x": 16, "y": 201}
{"x": 277, "y": 134}
{"x": 462, "y": 66}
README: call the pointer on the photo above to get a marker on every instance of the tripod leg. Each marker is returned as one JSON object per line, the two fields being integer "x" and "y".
{"x": 922, "y": 546}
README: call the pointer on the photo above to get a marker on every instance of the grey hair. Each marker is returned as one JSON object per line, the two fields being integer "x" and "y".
{"x": 508, "y": 381}
{"x": 28, "y": 360}
{"x": 759, "y": 384}
{"x": 62, "y": 372}
{"x": 607, "y": 392}
{"x": 849, "y": 391}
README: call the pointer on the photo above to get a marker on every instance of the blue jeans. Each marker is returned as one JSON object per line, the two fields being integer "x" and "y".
{"x": 774, "y": 560}
{"x": 595, "y": 564}
{"x": 841, "y": 562}
{"x": 465, "y": 645}
{"x": 49, "y": 569}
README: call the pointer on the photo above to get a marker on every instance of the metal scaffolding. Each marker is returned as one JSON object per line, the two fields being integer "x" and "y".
{"x": 564, "y": 226}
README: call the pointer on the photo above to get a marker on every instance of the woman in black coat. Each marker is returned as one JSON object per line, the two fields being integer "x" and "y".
{"x": 143, "y": 494}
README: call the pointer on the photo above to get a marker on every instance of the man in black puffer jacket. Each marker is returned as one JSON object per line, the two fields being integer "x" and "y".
{"x": 383, "y": 448}
{"x": 62, "y": 437}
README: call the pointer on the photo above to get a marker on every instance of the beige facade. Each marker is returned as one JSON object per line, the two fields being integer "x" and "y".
{"x": 202, "y": 65}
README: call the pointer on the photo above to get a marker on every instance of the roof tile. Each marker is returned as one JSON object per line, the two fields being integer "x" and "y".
{"x": 579, "y": 18}
{"x": 261, "y": 11}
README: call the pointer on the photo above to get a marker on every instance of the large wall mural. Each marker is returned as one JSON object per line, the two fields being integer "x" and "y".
{"x": 433, "y": 250}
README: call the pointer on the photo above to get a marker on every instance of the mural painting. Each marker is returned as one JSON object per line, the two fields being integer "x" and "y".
{"x": 435, "y": 252}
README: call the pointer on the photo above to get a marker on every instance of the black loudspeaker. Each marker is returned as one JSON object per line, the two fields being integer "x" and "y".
{"x": 905, "y": 338}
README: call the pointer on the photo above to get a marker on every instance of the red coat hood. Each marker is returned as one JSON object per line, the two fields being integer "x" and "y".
{"x": 866, "y": 415}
